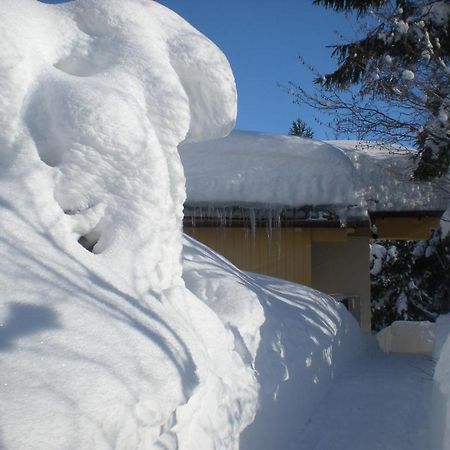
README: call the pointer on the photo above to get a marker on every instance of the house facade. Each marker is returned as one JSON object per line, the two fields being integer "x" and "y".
{"x": 302, "y": 210}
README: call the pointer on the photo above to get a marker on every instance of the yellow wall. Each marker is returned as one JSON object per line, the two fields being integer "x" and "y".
{"x": 284, "y": 253}
{"x": 405, "y": 228}
{"x": 343, "y": 268}
{"x": 335, "y": 261}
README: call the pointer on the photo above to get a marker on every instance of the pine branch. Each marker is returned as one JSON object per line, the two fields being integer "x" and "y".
{"x": 360, "y": 6}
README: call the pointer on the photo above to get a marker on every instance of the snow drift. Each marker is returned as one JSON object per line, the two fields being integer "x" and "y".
{"x": 305, "y": 338}
{"x": 101, "y": 346}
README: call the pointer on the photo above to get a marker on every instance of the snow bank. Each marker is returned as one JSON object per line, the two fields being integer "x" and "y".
{"x": 445, "y": 222}
{"x": 101, "y": 345}
{"x": 248, "y": 168}
{"x": 305, "y": 337}
{"x": 408, "y": 337}
{"x": 440, "y": 420}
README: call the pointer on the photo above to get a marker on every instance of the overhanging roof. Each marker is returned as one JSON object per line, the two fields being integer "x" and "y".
{"x": 287, "y": 172}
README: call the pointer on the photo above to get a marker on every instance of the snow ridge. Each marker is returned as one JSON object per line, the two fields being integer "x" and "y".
{"x": 101, "y": 346}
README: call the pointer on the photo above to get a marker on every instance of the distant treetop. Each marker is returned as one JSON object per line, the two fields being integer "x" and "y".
{"x": 299, "y": 128}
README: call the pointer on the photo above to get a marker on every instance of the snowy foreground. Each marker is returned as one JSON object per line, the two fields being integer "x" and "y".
{"x": 107, "y": 339}
{"x": 380, "y": 402}
{"x": 305, "y": 339}
{"x": 101, "y": 344}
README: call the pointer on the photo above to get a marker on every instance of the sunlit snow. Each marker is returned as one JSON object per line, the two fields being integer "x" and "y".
{"x": 268, "y": 170}
{"x": 111, "y": 335}
{"x": 101, "y": 345}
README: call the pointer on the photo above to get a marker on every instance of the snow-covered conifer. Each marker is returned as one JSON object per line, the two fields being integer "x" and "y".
{"x": 392, "y": 81}
{"x": 410, "y": 280}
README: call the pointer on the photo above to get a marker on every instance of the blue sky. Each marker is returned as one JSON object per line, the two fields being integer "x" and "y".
{"x": 262, "y": 40}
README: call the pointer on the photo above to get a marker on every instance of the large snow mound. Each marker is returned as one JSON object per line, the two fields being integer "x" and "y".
{"x": 296, "y": 338}
{"x": 101, "y": 345}
{"x": 248, "y": 168}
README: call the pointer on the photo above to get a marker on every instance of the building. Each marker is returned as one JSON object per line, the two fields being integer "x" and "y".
{"x": 305, "y": 210}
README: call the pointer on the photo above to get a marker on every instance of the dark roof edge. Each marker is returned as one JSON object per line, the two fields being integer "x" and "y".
{"x": 206, "y": 222}
{"x": 406, "y": 213}
{"x": 333, "y": 221}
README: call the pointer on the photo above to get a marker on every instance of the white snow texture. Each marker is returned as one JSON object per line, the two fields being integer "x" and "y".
{"x": 441, "y": 396}
{"x": 107, "y": 349}
{"x": 102, "y": 344}
{"x": 297, "y": 339}
{"x": 408, "y": 337}
{"x": 249, "y": 168}
{"x": 261, "y": 168}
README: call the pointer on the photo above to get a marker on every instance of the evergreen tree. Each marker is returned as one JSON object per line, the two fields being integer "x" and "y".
{"x": 392, "y": 82}
{"x": 299, "y": 128}
{"x": 391, "y": 263}
{"x": 410, "y": 280}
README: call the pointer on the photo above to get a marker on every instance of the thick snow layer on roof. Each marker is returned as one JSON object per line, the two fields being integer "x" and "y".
{"x": 248, "y": 168}
{"x": 383, "y": 178}
{"x": 106, "y": 348}
{"x": 252, "y": 168}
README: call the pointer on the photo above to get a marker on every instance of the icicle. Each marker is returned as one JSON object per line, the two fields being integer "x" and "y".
{"x": 252, "y": 218}
{"x": 269, "y": 223}
{"x": 278, "y": 219}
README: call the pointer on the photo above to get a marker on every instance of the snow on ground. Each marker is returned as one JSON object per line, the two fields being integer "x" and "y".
{"x": 441, "y": 393}
{"x": 305, "y": 339}
{"x": 101, "y": 344}
{"x": 408, "y": 337}
{"x": 248, "y": 168}
{"x": 380, "y": 402}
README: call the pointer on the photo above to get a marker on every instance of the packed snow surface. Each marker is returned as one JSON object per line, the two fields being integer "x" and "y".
{"x": 248, "y": 168}
{"x": 441, "y": 397}
{"x": 106, "y": 340}
{"x": 322, "y": 385}
{"x": 380, "y": 402}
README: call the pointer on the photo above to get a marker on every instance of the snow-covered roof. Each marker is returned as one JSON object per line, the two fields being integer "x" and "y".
{"x": 383, "y": 179}
{"x": 254, "y": 169}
